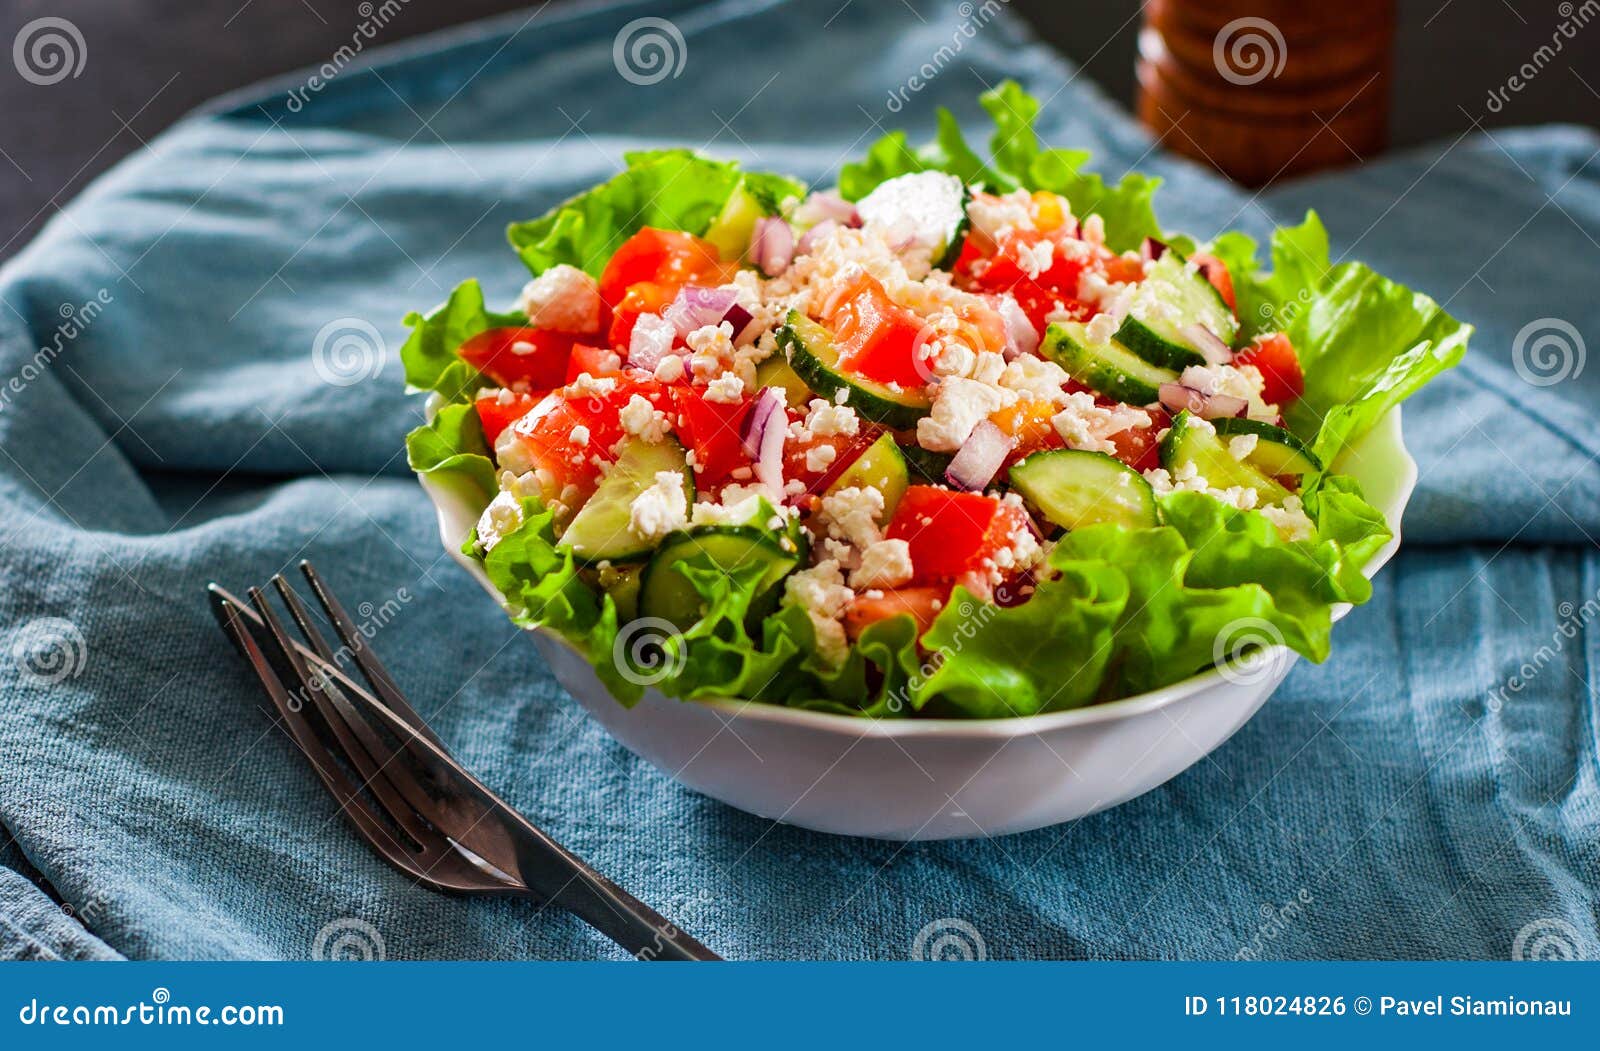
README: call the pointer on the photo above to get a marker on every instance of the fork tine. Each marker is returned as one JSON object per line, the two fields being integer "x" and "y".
{"x": 383, "y": 767}
{"x": 361, "y": 747}
{"x": 349, "y": 800}
{"x": 302, "y": 619}
{"x": 382, "y": 684}
{"x": 519, "y": 858}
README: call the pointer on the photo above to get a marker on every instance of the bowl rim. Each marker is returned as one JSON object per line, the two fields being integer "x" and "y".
{"x": 1386, "y": 436}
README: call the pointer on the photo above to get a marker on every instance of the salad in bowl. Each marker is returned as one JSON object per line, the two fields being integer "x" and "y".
{"x": 953, "y": 439}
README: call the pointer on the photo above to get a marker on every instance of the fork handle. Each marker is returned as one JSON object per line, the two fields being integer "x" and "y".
{"x": 615, "y": 913}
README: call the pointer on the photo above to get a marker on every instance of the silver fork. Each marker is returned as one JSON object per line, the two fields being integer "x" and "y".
{"x": 401, "y": 789}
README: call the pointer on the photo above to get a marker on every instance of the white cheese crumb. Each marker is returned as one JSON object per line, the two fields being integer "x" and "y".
{"x": 660, "y": 509}
{"x": 1245, "y": 383}
{"x": 853, "y": 514}
{"x": 1036, "y": 378}
{"x": 1084, "y": 425}
{"x": 822, "y": 593}
{"x": 669, "y": 369}
{"x": 957, "y": 408}
{"x": 818, "y": 457}
{"x": 1240, "y": 446}
{"x": 503, "y": 515}
{"x": 1291, "y": 519}
{"x": 727, "y": 389}
{"x": 1101, "y": 328}
{"x": 587, "y": 385}
{"x": 738, "y": 505}
{"x": 643, "y": 420}
{"x": 563, "y": 299}
{"x": 995, "y": 217}
{"x": 885, "y": 564}
{"x": 1035, "y": 259}
{"x": 825, "y": 419}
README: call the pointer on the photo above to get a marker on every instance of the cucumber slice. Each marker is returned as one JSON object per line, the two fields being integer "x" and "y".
{"x": 1189, "y": 442}
{"x": 883, "y": 468}
{"x": 1109, "y": 368}
{"x": 1277, "y": 451}
{"x": 599, "y": 531}
{"x": 730, "y": 230}
{"x": 1172, "y": 297}
{"x": 666, "y": 593}
{"x": 815, "y": 360}
{"x": 926, "y": 464}
{"x": 775, "y": 372}
{"x": 1074, "y": 488}
{"x": 622, "y": 584}
{"x": 929, "y": 206}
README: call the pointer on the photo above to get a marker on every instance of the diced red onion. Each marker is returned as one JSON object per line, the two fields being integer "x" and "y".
{"x": 980, "y": 458}
{"x": 697, "y": 306}
{"x": 822, "y": 230}
{"x": 1177, "y": 398}
{"x": 737, "y": 317}
{"x": 771, "y": 245}
{"x": 1021, "y": 336}
{"x": 769, "y": 451}
{"x": 1208, "y": 343}
{"x": 825, "y": 205}
{"x": 768, "y": 402}
{"x": 650, "y": 341}
{"x": 1222, "y": 405}
{"x": 1151, "y": 249}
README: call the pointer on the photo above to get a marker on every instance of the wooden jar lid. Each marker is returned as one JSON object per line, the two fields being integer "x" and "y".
{"x": 1282, "y": 89}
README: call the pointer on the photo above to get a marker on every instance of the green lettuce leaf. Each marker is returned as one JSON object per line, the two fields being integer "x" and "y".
{"x": 429, "y": 352}
{"x": 451, "y": 447}
{"x": 674, "y": 189}
{"x": 1048, "y": 654}
{"x": 1213, "y": 576}
{"x": 1366, "y": 343}
{"x": 542, "y": 588}
{"x": 1017, "y": 160}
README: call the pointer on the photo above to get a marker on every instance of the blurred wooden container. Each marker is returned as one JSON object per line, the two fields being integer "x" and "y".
{"x": 1263, "y": 89}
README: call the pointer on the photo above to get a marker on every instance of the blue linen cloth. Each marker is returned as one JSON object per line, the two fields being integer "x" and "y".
{"x": 1398, "y": 801}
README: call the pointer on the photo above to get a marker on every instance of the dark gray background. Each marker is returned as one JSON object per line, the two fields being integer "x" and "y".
{"x": 150, "y": 61}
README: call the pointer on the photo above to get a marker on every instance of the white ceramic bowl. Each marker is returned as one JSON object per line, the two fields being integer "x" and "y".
{"x": 943, "y": 778}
